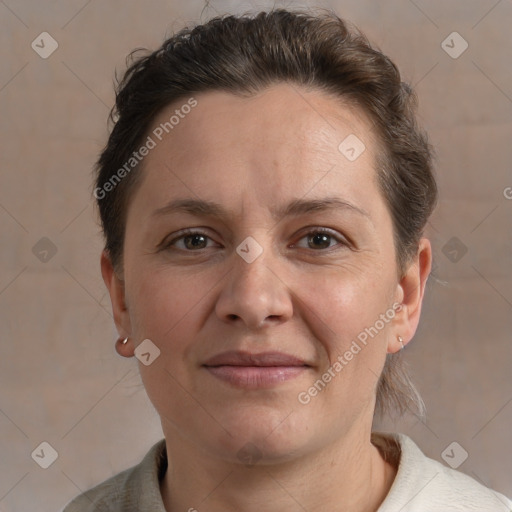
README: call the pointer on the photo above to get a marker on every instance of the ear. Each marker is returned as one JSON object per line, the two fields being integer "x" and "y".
{"x": 115, "y": 286}
{"x": 410, "y": 292}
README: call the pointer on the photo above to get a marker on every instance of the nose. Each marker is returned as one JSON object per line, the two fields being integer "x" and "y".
{"x": 254, "y": 294}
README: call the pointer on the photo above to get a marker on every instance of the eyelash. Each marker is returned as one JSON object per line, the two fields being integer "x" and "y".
{"x": 191, "y": 232}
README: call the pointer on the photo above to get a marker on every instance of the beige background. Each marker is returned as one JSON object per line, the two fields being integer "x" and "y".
{"x": 60, "y": 379}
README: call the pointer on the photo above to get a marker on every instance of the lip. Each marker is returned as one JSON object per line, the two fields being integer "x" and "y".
{"x": 253, "y": 371}
{"x": 240, "y": 358}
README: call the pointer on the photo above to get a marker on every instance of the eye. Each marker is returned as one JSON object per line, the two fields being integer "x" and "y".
{"x": 188, "y": 241}
{"x": 321, "y": 238}
{"x": 195, "y": 241}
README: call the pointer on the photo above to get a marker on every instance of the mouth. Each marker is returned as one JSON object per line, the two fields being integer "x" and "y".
{"x": 253, "y": 371}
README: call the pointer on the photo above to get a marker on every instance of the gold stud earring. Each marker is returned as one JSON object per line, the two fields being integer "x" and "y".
{"x": 401, "y": 341}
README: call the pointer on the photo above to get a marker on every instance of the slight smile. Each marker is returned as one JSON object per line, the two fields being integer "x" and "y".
{"x": 254, "y": 371}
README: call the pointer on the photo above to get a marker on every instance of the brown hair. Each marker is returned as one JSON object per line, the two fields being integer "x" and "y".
{"x": 246, "y": 54}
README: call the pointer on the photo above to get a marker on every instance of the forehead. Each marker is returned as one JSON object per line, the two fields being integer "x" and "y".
{"x": 284, "y": 141}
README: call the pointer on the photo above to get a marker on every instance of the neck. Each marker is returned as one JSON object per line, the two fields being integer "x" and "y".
{"x": 348, "y": 475}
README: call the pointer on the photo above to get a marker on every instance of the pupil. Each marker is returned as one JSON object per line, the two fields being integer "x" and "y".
{"x": 320, "y": 239}
{"x": 194, "y": 240}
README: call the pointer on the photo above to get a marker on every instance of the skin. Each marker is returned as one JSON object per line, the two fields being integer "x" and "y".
{"x": 301, "y": 296}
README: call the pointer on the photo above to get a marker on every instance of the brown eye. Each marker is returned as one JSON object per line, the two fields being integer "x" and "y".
{"x": 321, "y": 238}
{"x": 190, "y": 241}
{"x": 319, "y": 241}
{"x": 195, "y": 241}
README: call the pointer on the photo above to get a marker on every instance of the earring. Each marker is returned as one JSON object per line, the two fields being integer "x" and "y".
{"x": 123, "y": 348}
{"x": 121, "y": 341}
{"x": 401, "y": 341}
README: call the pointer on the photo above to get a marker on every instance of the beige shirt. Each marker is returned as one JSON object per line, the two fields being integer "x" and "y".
{"x": 421, "y": 485}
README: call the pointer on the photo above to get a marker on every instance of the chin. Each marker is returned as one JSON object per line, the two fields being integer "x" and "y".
{"x": 262, "y": 435}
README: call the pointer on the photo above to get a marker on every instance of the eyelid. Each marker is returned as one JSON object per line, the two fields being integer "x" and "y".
{"x": 170, "y": 240}
{"x": 343, "y": 240}
{"x": 309, "y": 230}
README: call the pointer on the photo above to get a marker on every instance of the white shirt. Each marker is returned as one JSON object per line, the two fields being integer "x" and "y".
{"x": 421, "y": 485}
{"x": 425, "y": 485}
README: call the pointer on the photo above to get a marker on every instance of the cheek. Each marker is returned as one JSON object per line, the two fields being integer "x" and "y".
{"x": 343, "y": 312}
{"x": 168, "y": 309}
{"x": 343, "y": 303}
{"x": 162, "y": 306}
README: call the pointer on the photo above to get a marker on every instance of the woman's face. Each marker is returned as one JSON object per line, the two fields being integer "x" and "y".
{"x": 289, "y": 253}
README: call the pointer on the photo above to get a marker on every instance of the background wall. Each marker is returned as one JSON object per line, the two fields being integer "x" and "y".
{"x": 61, "y": 381}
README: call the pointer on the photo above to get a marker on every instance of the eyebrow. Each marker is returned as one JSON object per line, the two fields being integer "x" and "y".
{"x": 294, "y": 208}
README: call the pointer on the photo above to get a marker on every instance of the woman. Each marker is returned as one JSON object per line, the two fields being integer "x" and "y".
{"x": 263, "y": 196}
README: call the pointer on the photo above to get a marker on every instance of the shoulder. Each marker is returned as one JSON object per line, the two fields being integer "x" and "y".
{"x": 136, "y": 488}
{"x": 423, "y": 484}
